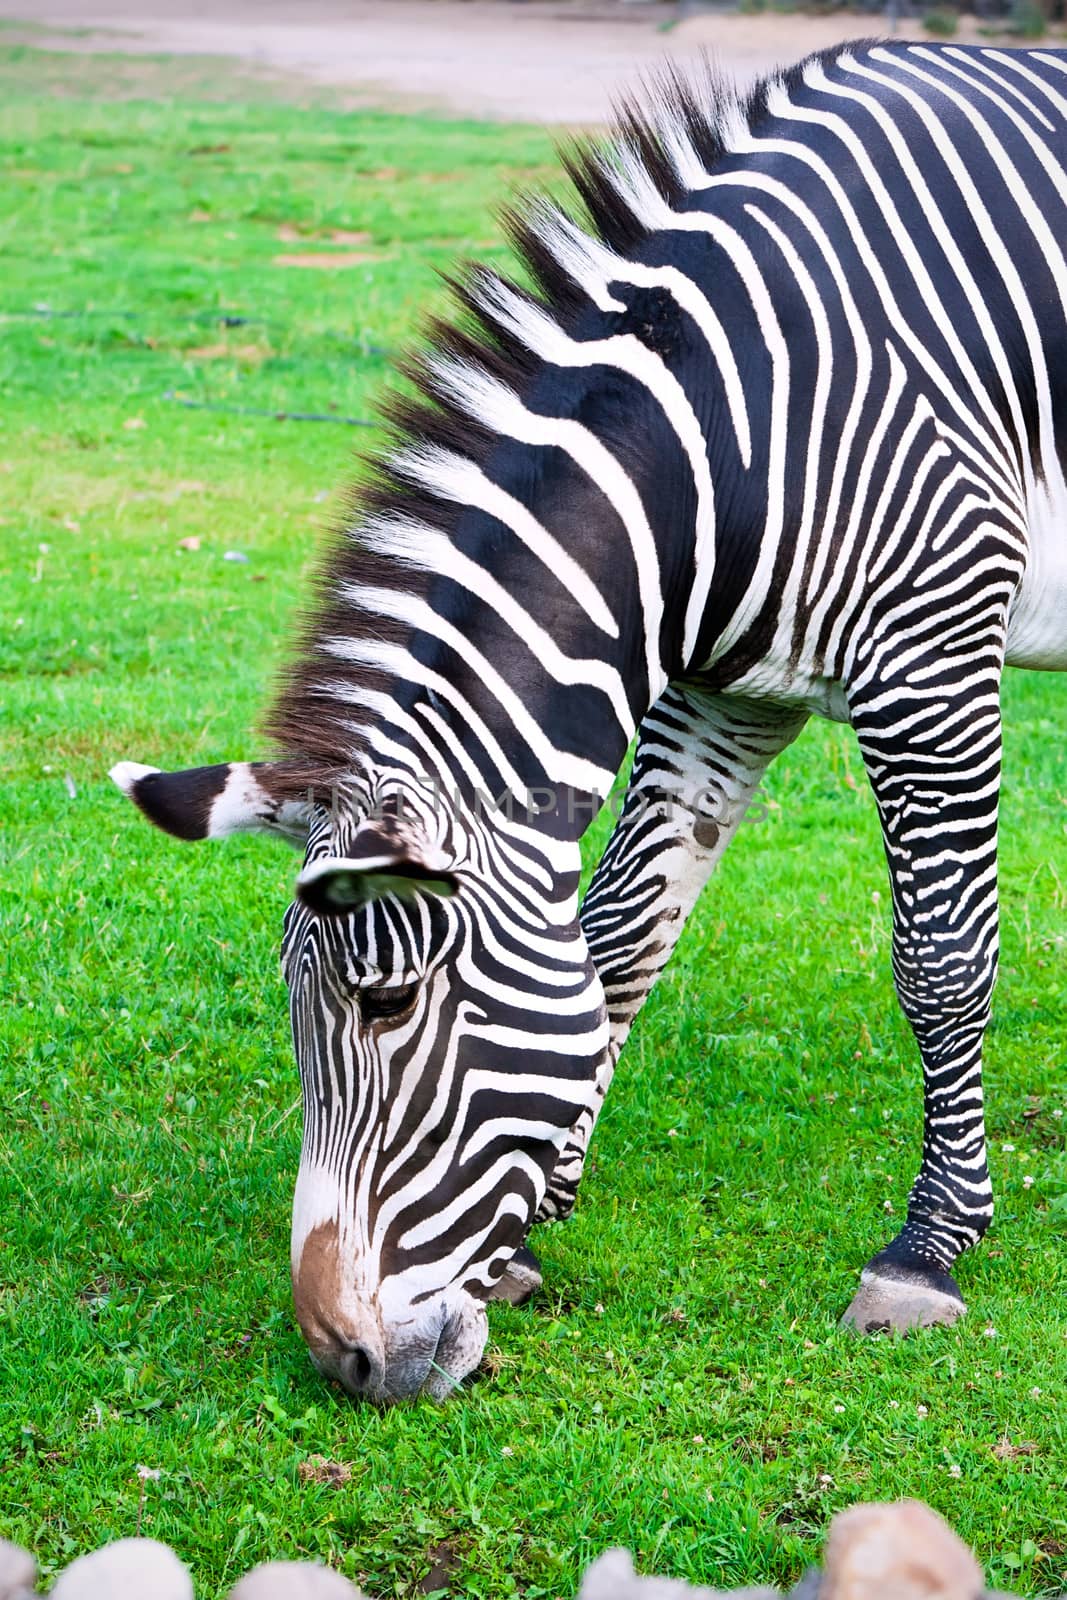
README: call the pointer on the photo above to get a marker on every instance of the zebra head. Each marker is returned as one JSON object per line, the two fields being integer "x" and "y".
{"x": 449, "y": 1027}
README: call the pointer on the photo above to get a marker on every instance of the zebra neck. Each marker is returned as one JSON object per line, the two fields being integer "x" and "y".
{"x": 517, "y": 594}
{"x": 512, "y": 648}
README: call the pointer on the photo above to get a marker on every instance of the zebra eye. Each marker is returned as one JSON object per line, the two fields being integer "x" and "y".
{"x": 386, "y": 1005}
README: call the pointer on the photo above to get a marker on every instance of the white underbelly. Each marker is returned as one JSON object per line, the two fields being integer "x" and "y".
{"x": 1037, "y": 622}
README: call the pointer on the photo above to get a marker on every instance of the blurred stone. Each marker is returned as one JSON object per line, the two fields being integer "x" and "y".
{"x": 904, "y": 1550}
{"x": 612, "y": 1577}
{"x": 129, "y": 1569}
{"x": 293, "y": 1580}
{"x": 18, "y": 1572}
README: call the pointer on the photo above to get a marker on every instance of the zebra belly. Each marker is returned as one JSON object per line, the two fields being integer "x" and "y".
{"x": 823, "y": 697}
{"x": 1037, "y": 624}
{"x": 784, "y": 685}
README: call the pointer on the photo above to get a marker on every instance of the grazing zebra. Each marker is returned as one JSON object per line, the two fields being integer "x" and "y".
{"x": 778, "y": 430}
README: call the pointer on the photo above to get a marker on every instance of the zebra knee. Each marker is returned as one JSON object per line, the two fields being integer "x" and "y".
{"x": 947, "y": 995}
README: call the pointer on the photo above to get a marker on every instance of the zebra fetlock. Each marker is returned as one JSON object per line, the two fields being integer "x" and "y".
{"x": 521, "y": 1279}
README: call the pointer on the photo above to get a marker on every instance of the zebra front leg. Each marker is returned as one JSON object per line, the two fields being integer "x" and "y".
{"x": 700, "y": 758}
{"x": 933, "y": 758}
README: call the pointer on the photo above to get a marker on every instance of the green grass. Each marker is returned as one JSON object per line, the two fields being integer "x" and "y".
{"x": 680, "y": 1387}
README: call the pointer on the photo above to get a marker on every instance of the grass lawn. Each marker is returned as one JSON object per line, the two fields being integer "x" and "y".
{"x": 681, "y": 1386}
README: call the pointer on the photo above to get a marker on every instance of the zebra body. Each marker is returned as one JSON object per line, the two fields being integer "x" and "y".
{"x": 781, "y": 434}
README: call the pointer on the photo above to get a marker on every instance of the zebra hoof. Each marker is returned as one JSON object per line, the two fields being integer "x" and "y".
{"x": 899, "y": 1305}
{"x": 521, "y": 1280}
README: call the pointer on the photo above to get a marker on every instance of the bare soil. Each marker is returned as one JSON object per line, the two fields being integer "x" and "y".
{"x": 552, "y": 61}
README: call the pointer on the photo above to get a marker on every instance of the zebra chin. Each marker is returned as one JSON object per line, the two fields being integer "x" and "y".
{"x": 376, "y": 1351}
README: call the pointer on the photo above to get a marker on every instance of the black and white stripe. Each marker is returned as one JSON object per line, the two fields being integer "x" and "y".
{"x": 780, "y": 431}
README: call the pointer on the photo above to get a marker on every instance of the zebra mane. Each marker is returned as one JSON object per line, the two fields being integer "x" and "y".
{"x": 396, "y": 527}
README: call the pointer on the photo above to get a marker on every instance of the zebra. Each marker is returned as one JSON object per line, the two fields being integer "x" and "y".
{"x": 773, "y": 426}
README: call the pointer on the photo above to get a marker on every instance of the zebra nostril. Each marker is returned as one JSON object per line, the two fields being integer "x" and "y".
{"x": 362, "y": 1367}
{"x": 361, "y": 1371}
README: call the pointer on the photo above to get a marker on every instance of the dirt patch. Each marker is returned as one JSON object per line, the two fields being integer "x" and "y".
{"x": 98, "y": 1293}
{"x": 326, "y": 261}
{"x": 444, "y": 1559}
{"x": 1005, "y": 1450}
{"x": 250, "y": 354}
{"x": 289, "y": 233}
{"x": 316, "y": 1469}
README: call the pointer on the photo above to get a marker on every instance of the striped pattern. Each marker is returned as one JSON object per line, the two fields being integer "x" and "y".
{"x": 780, "y": 431}
{"x": 447, "y": 1047}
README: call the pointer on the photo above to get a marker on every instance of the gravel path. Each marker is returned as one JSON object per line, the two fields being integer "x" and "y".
{"x": 553, "y": 61}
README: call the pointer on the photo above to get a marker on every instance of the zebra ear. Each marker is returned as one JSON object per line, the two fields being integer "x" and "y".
{"x": 335, "y": 885}
{"x": 210, "y": 802}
